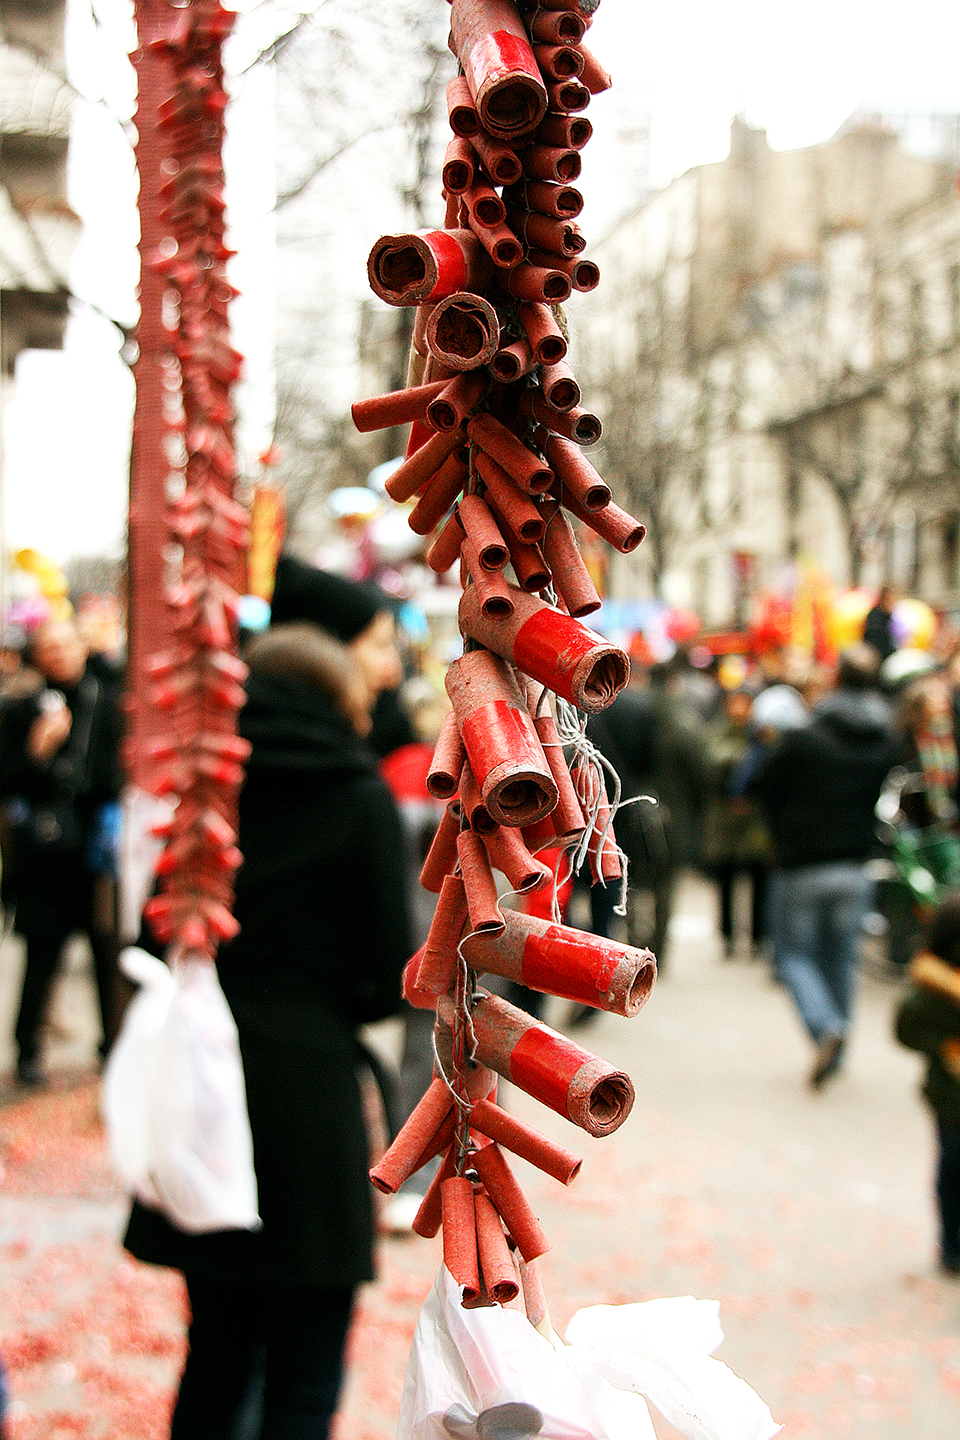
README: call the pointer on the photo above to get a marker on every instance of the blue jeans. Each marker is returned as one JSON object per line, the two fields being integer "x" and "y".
{"x": 816, "y": 917}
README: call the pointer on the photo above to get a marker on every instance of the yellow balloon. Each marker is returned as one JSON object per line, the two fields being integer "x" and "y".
{"x": 914, "y": 624}
{"x": 849, "y": 612}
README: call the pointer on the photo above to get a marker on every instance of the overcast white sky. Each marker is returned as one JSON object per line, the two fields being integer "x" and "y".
{"x": 797, "y": 70}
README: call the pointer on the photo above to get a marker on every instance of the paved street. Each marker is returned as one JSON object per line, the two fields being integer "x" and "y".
{"x": 807, "y": 1216}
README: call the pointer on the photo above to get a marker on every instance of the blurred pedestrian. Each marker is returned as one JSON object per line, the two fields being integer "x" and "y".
{"x": 405, "y": 770}
{"x": 60, "y": 777}
{"x": 928, "y": 1020}
{"x": 736, "y": 842}
{"x": 878, "y": 625}
{"x": 818, "y": 787}
{"x": 653, "y": 737}
{"x": 323, "y": 910}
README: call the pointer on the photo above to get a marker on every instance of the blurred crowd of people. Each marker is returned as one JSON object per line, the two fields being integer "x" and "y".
{"x": 821, "y": 801}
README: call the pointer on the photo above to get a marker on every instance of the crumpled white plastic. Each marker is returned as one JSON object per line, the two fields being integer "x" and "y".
{"x": 174, "y": 1101}
{"x": 487, "y": 1374}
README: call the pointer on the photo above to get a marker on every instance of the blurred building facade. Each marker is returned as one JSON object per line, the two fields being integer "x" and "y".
{"x": 38, "y": 228}
{"x": 774, "y": 352}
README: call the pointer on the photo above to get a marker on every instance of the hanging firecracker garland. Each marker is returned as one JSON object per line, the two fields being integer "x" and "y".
{"x": 187, "y": 679}
{"x": 496, "y": 471}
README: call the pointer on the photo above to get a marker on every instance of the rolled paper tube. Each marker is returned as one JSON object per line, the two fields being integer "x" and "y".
{"x": 440, "y": 961}
{"x": 481, "y": 821}
{"x": 491, "y": 44}
{"x": 508, "y": 854}
{"x": 543, "y": 162}
{"x": 511, "y": 505}
{"x": 528, "y": 470}
{"x": 558, "y": 28}
{"x": 403, "y": 1157}
{"x": 449, "y": 755}
{"x": 547, "y": 232}
{"x": 463, "y": 331}
{"x": 536, "y": 282}
{"x": 439, "y": 495}
{"x": 500, "y": 161}
{"x": 568, "y": 817}
{"x": 412, "y": 993}
{"x": 397, "y": 408}
{"x": 441, "y": 858}
{"x": 559, "y": 62}
{"x": 576, "y": 424}
{"x": 492, "y": 588}
{"x": 570, "y": 575}
{"x": 569, "y": 132}
{"x": 418, "y": 340}
{"x": 559, "y": 386}
{"x": 459, "y": 1227}
{"x": 529, "y": 566}
{"x": 558, "y": 960}
{"x": 453, "y": 403}
{"x": 484, "y": 205}
{"x": 561, "y": 201}
{"x": 496, "y": 1266}
{"x": 499, "y": 1125}
{"x": 458, "y": 166}
{"x": 548, "y": 1066}
{"x": 559, "y": 651}
{"x": 534, "y": 1300}
{"x": 568, "y": 96}
{"x": 478, "y": 881}
{"x": 429, "y": 1217}
{"x": 510, "y": 1202}
{"x": 502, "y": 745}
{"x": 614, "y": 525}
{"x": 576, "y": 474}
{"x": 546, "y": 835}
{"x": 544, "y": 335}
{"x": 420, "y": 467}
{"x": 593, "y": 74}
{"x": 500, "y": 243}
{"x": 511, "y": 362}
{"x": 461, "y": 111}
{"x": 481, "y": 528}
{"x": 425, "y": 265}
{"x": 585, "y": 275}
{"x": 607, "y": 866}
{"x": 446, "y": 548}
{"x": 453, "y": 217}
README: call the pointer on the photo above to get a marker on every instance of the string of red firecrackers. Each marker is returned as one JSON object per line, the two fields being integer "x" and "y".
{"x": 495, "y": 461}
{"x": 194, "y": 679}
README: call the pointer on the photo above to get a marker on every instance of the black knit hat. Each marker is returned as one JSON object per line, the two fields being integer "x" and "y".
{"x": 341, "y": 607}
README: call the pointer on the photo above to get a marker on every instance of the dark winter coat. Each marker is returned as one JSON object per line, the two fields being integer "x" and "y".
{"x": 927, "y": 1018}
{"x": 54, "y": 805}
{"x": 322, "y": 903}
{"x": 819, "y": 784}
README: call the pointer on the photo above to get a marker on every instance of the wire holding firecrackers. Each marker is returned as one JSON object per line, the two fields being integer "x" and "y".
{"x": 495, "y": 473}
{"x": 194, "y": 678}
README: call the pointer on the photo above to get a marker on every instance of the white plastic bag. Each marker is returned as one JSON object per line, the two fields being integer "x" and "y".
{"x": 174, "y": 1102}
{"x": 487, "y": 1374}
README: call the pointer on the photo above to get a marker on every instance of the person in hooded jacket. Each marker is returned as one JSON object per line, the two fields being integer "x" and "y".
{"x": 321, "y": 898}
{"x": 818, "y": 788}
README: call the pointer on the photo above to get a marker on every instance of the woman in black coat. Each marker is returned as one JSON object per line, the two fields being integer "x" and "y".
{"x": 322, "y": 904}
